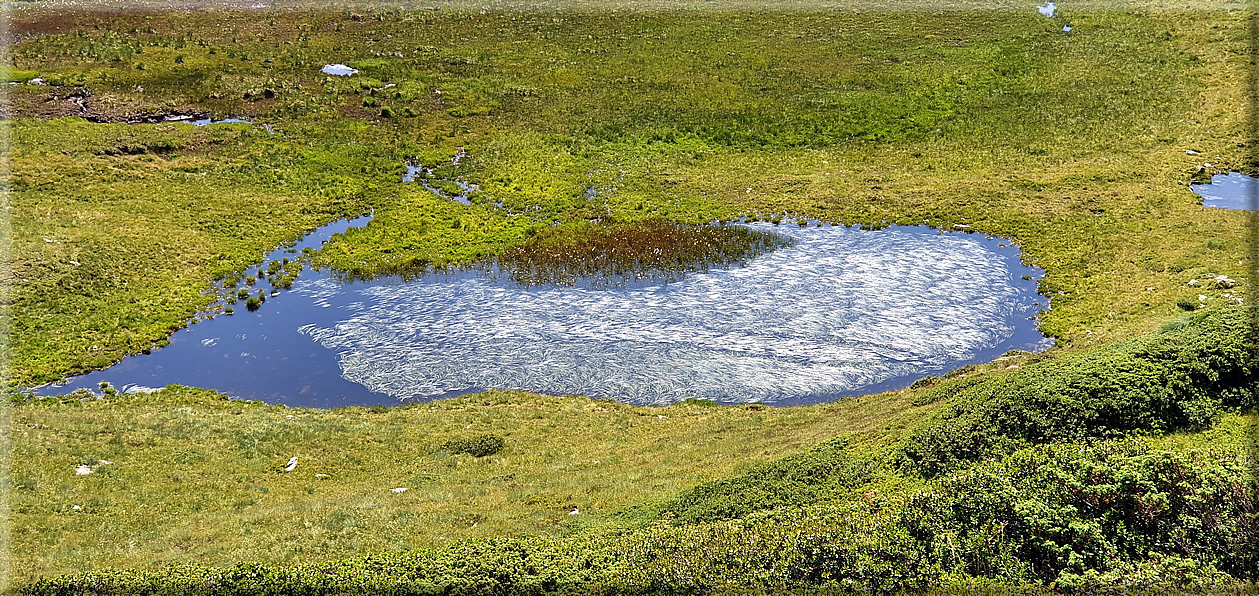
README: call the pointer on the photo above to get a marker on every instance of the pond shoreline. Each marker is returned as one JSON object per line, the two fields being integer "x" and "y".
{"x": 313, "y": 383}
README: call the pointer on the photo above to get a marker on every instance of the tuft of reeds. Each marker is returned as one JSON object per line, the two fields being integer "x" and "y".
{"x": 610, "y": 252}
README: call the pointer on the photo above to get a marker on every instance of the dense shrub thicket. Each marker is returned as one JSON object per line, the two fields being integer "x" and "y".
{"x": 1084, "y": 517}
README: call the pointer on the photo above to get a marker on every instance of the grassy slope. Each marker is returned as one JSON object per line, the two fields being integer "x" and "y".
{"x": 194, "y": 477}
{"x": 989, "y": 118}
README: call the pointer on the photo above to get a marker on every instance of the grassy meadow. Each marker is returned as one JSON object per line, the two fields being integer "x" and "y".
{"x": 576, "y": 125}
{"x": 196, "y": 478}
{"x": 988, "y": 119}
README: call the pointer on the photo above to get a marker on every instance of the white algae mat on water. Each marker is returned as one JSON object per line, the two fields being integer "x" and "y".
{"x": 840, "y": 310}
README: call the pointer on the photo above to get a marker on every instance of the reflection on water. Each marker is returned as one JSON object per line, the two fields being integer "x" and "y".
{"x": 1231, "y": 191}
{"x": 840, "y": 312}
{"x": 208, "y": 121}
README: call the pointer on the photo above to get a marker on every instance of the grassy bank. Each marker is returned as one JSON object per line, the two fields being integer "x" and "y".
{"x": 676, "y": 499}
{"x": 1074, "y": 145}
{"x": 194, "y": 477}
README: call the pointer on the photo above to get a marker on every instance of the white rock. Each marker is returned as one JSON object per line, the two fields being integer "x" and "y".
{"x": 1193, "y": 282}
{"x": 1190, "y": 152}
{"x": 400, "y": 489}
{"x": 1202, "y": 298}
{"x": 78, "y": 508}
{"x": 340, "y": 70}
{"x": 574, "y": 511}
{"x": 292, "y": 464}
{"x": 321, "y": 476}
{"x": 1225, "y": 281}
{"x": 82, "y": 470}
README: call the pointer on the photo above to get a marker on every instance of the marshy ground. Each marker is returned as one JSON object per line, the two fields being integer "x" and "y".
{"x": 1075, "y": 145}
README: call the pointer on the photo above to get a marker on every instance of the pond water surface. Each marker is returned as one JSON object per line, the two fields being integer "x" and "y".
{"x": 1230, "y": 191}
{"x": 840, "y": 312}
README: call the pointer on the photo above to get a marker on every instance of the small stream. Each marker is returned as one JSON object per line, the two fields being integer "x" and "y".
{"x": 841, "y": 312}
{"x": 426, "y": 176}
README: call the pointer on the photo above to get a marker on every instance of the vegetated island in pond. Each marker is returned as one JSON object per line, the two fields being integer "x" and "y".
{"x": 1118, "y": 460}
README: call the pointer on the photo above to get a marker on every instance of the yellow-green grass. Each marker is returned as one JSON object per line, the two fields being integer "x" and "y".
{"x": 196, "y": 478}
{"x": 1072, "y": 145}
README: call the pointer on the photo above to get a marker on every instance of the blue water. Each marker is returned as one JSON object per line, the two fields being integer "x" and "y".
{"x": 423, "y": 174}
{"x": 840, "y": 312}
{"x": 1230, "y": 191}
{"x": 208, "y": 121}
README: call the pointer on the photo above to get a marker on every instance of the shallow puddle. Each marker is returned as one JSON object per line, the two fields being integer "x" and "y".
{"x": 1230, "y": 191}
{"x": 840, "y": 312}
{"x": 423, "y": 175}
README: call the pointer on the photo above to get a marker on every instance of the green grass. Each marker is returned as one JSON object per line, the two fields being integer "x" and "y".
{"x": 986, "y": 118}
{"x": 195, "y": 477}
{"x": 1071, "y": 145}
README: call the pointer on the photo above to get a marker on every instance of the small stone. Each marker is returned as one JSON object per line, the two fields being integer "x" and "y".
{"x": 1191, "y": 152}
{"x": 400, "y": 489}
{"x": 83, "y": 470}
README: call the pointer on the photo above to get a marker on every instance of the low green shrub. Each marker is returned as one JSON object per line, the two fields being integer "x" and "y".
{"x": 1181, "y": 377}
{"x": 478, "y": 446}
{"x": 791, "y": 481}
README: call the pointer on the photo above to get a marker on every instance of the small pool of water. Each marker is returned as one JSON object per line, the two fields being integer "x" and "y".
{"x": 840, "y": 312}
{"x": 1230, "y": 191}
